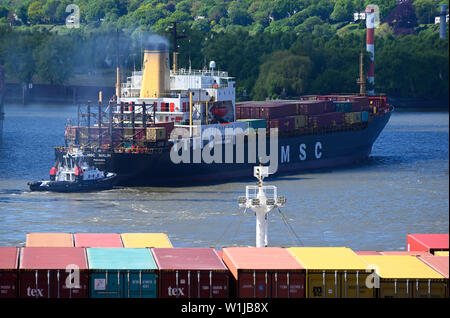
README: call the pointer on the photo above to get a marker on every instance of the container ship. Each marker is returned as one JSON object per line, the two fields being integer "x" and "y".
{"x": 159, "y": 108}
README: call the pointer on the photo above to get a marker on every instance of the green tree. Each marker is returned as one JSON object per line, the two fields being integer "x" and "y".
{"x": 343, "y": 11}
{"x": 35, "y": 12}
{"x": 54, "y": 60}
{"x": 283, "y": 72}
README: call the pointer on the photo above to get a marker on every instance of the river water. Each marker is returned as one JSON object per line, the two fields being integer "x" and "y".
{"x": 402, "y": 188}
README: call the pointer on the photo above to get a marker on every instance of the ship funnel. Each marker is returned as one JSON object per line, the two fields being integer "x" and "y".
{"x": 156, "y": 72}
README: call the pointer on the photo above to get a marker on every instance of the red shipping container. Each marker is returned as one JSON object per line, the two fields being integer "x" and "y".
{"x": 9, "y": 257}
{"x": 191, "y": 273}
{"x": 314, "y": 107}
{"x": 270, "y": 272}
{"x": 427, "y": 242}
{"x": 47, "y": 272}
{"x": 326, "y": 120}
{"x": 97, "y": 240}
{"x": 169, "y": 125}
{"x": 283, "y": 124}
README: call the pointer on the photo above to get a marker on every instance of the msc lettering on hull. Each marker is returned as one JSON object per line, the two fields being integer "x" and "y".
{"x": 316, "y": 152}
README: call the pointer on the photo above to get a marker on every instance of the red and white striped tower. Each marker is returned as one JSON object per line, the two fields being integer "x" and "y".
{"x": 370, "y": 43}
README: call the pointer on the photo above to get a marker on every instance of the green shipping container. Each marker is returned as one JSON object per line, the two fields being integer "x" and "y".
{"x": 255, "y": 123}
{"x": 122, "y": 273}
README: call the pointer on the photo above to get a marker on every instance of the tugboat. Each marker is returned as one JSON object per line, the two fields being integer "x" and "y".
{"x": 74, "y": 174}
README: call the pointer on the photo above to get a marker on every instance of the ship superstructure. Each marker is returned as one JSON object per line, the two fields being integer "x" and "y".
{"x": 182, "y": 96}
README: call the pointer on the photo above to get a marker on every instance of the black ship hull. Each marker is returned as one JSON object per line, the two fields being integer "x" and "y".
{"x": 295, "y": 153}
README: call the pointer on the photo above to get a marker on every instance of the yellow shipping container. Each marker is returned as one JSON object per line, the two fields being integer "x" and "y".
{"x": 333, "y": 272}
{"x": 352, "y": 118}
{"x": 143, "y": 240}
{"x": 441, "y": 253}
{"x": 156, "y": 133}
{"x": 300, "y": 121}
{"x": 405, "y": 276}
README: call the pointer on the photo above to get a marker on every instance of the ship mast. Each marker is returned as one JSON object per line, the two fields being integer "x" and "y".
{"x": 362, "y": 79}
{"x": 175, "y": 37}
{"x": 261, "y": 199}
{"x": 117, "y": 68}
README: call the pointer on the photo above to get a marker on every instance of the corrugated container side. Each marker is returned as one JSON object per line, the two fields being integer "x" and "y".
{"x": 333, "y": 272}
{"x": 51, "y": 272}
{"x": 405, "y": 276}
{"x": 441, "y": 265}
{"x": 122, "y": 273}
{"x": 300, "y": 121}
{"x": 265, "y": 273}
{"x": 283, "y": 124}
{"x": 194, "y": 284}
{"x": 9, "y": 260}
{"x": 191, "y": 273}
{"x": 326, "y": 120}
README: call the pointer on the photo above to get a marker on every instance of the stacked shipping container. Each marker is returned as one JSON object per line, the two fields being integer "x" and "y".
{"x": 331, "y": 111}
{"x": 405, "y": 276}
{"x": 49, "y": 272}
{"x": 9, "y": 261}
{"x": 265, "y": 272}
{"x": 427, "y": 242}
{"x": 49, "y": 240}
{"x": 97, "y": 240}
{"x": 122, "y": 273}
{"x": 333, "y": 272}
{"x": 140, "y": 240}
{"x": 143, "y": 272}
{"x": 191, "y": 273}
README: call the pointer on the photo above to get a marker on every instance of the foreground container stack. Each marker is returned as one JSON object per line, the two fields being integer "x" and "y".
{"x": 191, "y": 273}
{"x": 9, "y": 261}
{"x": 122, "y": 273}
{"x": 270, "y": 272}
{"x": 333, "y": 272}
{"x": 50, "y": 272}
{"x": 405, "y": 276}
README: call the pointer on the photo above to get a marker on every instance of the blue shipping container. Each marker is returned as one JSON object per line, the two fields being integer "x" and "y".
{"x": 122, "y": 273}
{"x": 364, "y": 116}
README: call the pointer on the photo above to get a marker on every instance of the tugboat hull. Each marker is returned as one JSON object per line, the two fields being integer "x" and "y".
{"x": 70, "y": 186}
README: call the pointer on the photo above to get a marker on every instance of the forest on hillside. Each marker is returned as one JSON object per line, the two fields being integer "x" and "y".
{"x": 272, "y": 47}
